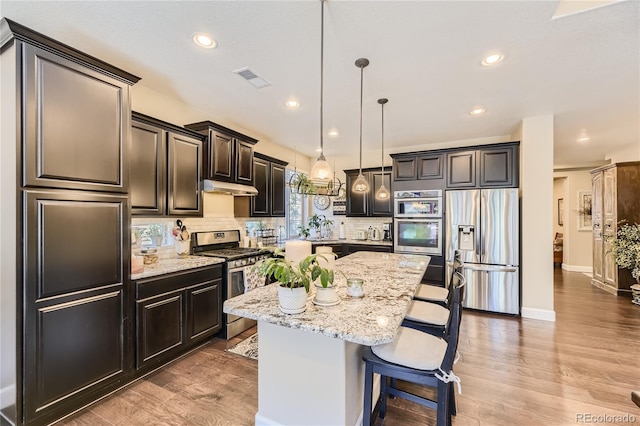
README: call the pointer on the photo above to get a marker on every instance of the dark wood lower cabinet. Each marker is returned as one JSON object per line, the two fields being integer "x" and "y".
{"x": 352, "y": 248}
{"x": 175, "y": 312}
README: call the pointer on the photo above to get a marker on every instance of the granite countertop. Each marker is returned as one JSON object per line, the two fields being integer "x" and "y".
{"x": 347, "y": 241}
{"x": 390, "y": 280}
{"x": 166, "y": 266}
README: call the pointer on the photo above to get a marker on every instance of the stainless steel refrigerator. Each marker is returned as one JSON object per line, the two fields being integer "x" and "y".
{"x": 484, "y": 224}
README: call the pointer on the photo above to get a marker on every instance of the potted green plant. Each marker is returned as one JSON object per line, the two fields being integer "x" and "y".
{"x": 326, "y": 224}
{"x": 303, "y": 185}
{"x": 156, "y": 233}
{"x": 294, "y": 279}
{"x": 315, "y": 222}
{"x": 303, "y": 232}
{"x": 625, "y": 248}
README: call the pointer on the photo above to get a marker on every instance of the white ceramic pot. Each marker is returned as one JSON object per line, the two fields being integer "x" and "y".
{"x": 182, "y": 247}
{"x": 292, "y": 300}
{"x": 326, "y": 295}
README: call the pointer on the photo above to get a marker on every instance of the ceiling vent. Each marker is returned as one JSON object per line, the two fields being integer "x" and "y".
{"x": 252, "y": 77}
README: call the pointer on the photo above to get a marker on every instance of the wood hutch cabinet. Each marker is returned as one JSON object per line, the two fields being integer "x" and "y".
{"x": 615, "y": 197}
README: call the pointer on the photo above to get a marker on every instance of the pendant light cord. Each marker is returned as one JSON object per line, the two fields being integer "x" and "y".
{"x": 382, "y": 152}
{"x": 321, "y": 76}
{"x": 361, "y": 86}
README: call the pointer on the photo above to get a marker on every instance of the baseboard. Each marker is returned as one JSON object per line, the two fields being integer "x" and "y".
{"x": 577, "y": 268}
{"x": 538, "y": 314}
{"x": 7, "y": 396}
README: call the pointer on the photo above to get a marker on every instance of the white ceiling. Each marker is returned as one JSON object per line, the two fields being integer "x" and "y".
{"x": 425, "y": 57}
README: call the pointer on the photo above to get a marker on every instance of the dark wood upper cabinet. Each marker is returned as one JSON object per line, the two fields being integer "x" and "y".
{"x": 262, "y": 173}
{"x": 269, "y": 180}
{"x": 183, "y": 172}
{"x": 366, "y": 204}
{"x": 461, "y": 169}
{"x": 148, "y": 174}
{"x": 220, "y": 156}
{"x": 166, "y": 168}
{"x": 431, "y": 166}
{"x": 498, "y": 166}
{"x": 405, "y": 168}
{"x": 278, "y": 193}
{"x": 244, "y": 162}
{"x": 76, "y": 123}
{"x": 228, "y": 154}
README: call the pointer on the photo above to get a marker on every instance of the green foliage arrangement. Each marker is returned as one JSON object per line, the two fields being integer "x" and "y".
{"x": 625, "y": 247}
{"x": 293, "y": 275}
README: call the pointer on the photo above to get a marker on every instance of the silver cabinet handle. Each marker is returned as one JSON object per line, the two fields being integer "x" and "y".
{"x": 489, "y": 268}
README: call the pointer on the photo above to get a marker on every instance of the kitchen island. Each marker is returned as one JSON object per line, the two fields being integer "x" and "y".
{"x": 310, "y": 370}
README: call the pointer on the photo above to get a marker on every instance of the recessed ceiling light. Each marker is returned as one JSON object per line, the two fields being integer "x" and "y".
{"x": 318, "y": 149}
{"x": 333, "y": 133}
{"x": 492, "y": 59}
{"x": 477, "y": 111}
{"x": 583, "y": 138}
{"x": 293, "y": 104}
{"x": 203, "y": 40}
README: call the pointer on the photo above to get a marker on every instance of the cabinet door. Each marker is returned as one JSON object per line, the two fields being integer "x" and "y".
{"x": 204, "y": 309}
{"x": 596, "y": 211}
{"x": 431, "y": 166}
{"x": 261, "y": 173}
{"x": 356, "y": 201}
{"x": 497, "y": 167}
{"x": 461, "y": 169}
{"x": 75, "y": 327}
{"x": 184, "y": 171}
{"x": 244, "y": 162}
{"x": 220, "y": 156}
{"x": 277, "y": 190}
{"x": 147, "y": 174}
{"x": 381, "y": 207}
{"x": 609, "y": 214}
{"x": 159, "y": 326}
{"x": 76, "y": 125}
{"x": 405, "y": 168}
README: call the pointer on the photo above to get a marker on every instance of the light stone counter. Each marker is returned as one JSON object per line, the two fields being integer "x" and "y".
{"x": 390, "y": 280}
{"x": 166, "y": 266}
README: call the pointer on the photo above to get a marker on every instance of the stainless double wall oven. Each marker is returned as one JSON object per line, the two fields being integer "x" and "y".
{"x": 418, "y": 222}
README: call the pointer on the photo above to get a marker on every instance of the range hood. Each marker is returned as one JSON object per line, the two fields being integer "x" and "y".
{"x": 219, "y": 187}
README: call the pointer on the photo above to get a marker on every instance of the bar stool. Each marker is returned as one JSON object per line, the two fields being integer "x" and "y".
{"x": 419, "y": 358}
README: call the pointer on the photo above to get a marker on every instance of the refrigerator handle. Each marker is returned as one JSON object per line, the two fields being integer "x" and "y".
{"x": 481, "y": 227}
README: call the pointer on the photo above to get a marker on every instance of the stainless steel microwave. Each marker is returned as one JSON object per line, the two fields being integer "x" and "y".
{"x": 416, "y": 204}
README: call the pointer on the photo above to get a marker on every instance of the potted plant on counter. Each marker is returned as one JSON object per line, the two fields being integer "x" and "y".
{"x": 294, "y": 279}
{"x": 315, "y": 225}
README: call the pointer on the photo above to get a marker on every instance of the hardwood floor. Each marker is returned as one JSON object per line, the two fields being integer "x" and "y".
{"x": 514, "y": 371}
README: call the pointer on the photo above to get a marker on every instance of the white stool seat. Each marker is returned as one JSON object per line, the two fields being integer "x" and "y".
{"x": 428, "y": 313}
{"x": 413, "y": 349}
{"x": 431, "y": 293}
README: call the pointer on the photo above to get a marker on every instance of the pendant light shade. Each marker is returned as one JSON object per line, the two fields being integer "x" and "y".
{"x": 321, "y": 170}
{"x": 361, "y": 185}
{"x": 382, "y": 193}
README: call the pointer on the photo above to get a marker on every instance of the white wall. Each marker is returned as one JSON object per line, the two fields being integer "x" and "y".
{"x": 536, "y": 186}
{"x": 629, "y": 153}
{"x": 558, "y": 193}
{"x": 577, "y": 244}
{"x": 162, "y": 107}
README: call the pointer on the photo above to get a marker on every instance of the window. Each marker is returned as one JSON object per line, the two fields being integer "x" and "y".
{"x": 294, "y": 208}
{"x": 151, "y": 234}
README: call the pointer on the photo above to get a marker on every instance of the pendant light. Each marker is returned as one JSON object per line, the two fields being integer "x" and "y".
{"x": 361, "y": 185}
{"x": 321, "y": 170}
{"x": 382, "y": 193}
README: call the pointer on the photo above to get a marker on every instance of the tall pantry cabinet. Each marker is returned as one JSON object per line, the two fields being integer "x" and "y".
{"x": 66, "y": 127}
{"x": 615, "y": 197}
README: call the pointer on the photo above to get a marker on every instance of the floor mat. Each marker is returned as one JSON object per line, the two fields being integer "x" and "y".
{"x": 247, "y": 348}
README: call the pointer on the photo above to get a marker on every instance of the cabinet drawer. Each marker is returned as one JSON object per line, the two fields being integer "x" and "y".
{"x": 153, "y": 286}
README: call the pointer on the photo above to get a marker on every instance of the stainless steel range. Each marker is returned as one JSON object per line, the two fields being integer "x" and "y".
{"x": 226, "y": 245}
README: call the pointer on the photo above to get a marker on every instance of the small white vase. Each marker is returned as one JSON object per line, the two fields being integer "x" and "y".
{"x": 182, "y": 247}
{"x": 326, "y": 295}
{"x": 292, "y": 300}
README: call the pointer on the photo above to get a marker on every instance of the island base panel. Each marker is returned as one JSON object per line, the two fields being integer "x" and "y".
{"x": 307, "y": 378}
